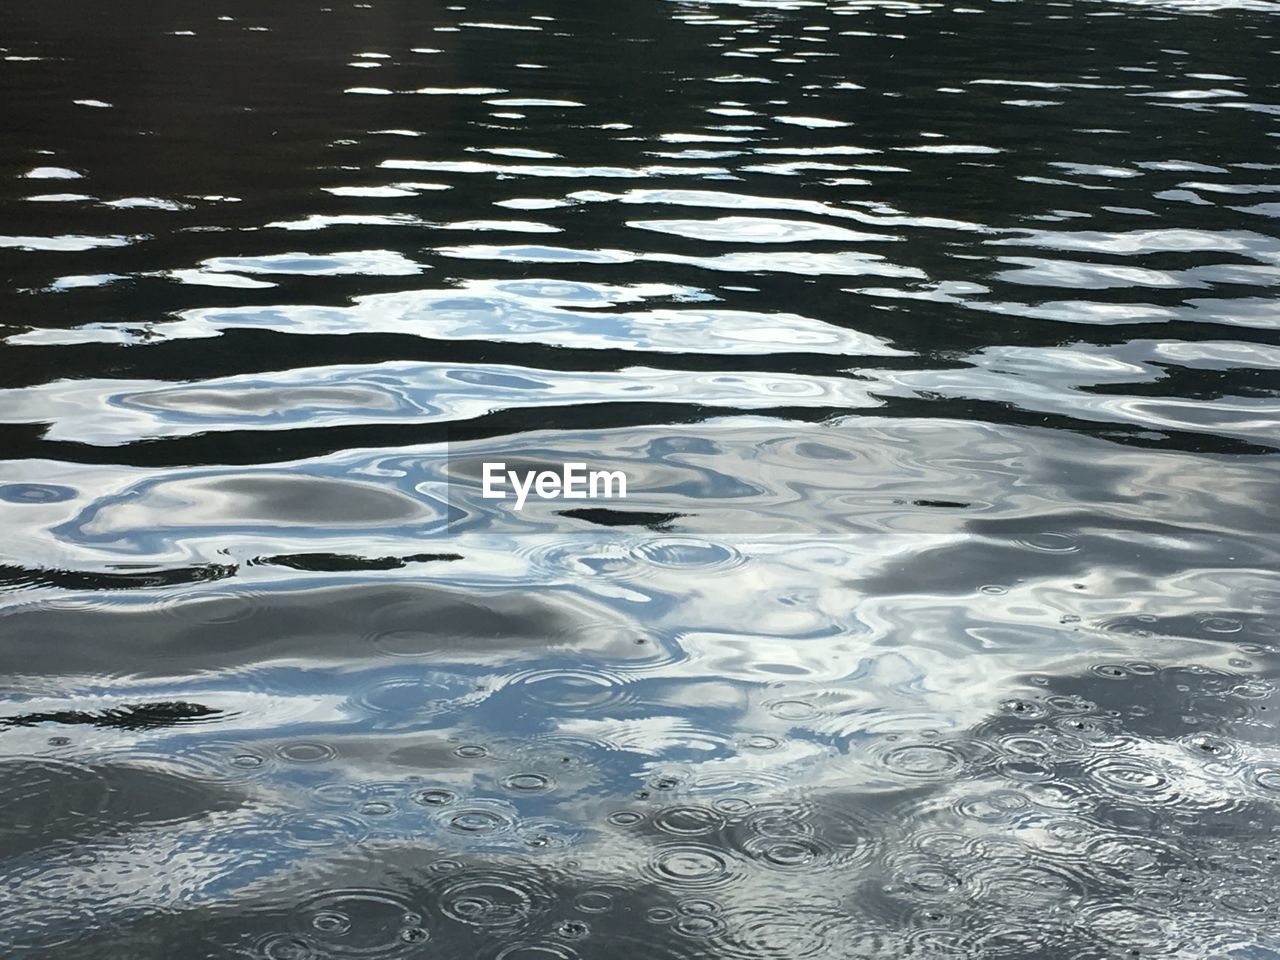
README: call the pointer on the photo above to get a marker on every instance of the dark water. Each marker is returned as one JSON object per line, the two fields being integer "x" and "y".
{"x": 943, "y": 620}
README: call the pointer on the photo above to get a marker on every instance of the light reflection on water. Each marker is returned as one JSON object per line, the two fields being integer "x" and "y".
{"x": 939, "y": 344}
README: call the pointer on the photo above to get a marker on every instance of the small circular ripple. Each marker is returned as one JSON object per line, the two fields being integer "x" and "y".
{"x": 1265, "y": 778}
{"x": 283, "y": 946}
{"x": 306, "y": 751}
{"x": 941, "y": 844}
{"x": 1016, "y": 938}
{"x": 732, "y": 806}
{"x": 1025, "y": 769}
{"x": 794, "y": 853}
{"x": 1221, "y": 624}
{"x": 528, "y": 783}
{"x": 476, "y": 821}
{"x": 226, "y": 761}
{"x": 247, "y": 761}
{"x": 1110, "y": 671}
{"x": 644, "y": 946}
{"x": 698, "y": 907}
{"x": 1059, "y": 796}
{"x": 688, "y": 553}
{"x": 1133, "y": 778}
{"x": 404, "y": 696}
{"x": 538, "y": 951}
{"x": 1217, "y": 708}
{"x": 794, "y": 835}
{"x": 36, "y": 493}
{"x": 1138, "y": 930}
{"x": 406, "y": 644}
{"x": 925, "y": 761}
{"x": 218, "y": 609}
{"x": 918, "y": 877}
{"x": 1251, "y": 904}
{"x": 1097, "y": 733}
{"x": 573, "y": 929}
{"x": 576, "y": 690}
{"x": 1049, "y": 543}
{"x": 945, "y": 943}
{"x": 1129, "y": 625}
{"x": 508, "y": 899}
{"x": 688, "y": 820}
{"x": 625, "y": 818}
{"x": 345, "y": 795}
{"x": 1025, "y": 745}
{"x": 1027, "y": 709}
{"x": 779, "y": 820}
{"x": 1023, "y": 884}
{"x": 594, "y": 901}
{"x": 357, "y": 921}
{"x": 1134, "y": 859}
{"x": 688, "y": 866}
{"x": 479, "y": 818}
{"x": 549, "y": 834}
{"x": 796, "y": 710}
{"x": 788, "y": 930}
{"x": 666, "y": 780}
{"x": 998, "y": 806}
{"x": 1214, "y": 749}
{"x": 699, "y": 927}
{"x": 304, "y": 830}
{"x": 1066, "y": 836}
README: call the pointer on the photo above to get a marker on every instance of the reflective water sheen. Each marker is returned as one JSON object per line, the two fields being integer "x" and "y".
{"x": 943, "y": 341}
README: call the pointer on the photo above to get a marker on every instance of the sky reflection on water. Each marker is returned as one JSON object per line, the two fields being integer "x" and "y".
{"x": 939, "y": 344}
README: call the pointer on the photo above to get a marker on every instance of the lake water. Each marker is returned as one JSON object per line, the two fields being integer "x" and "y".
{"x": 940, "y": 346}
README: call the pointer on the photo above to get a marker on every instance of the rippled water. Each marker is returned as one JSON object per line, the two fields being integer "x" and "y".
{"x": 942, "y": 343}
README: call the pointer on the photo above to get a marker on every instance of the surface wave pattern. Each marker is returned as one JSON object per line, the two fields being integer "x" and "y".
{"x": 942, "y": 344}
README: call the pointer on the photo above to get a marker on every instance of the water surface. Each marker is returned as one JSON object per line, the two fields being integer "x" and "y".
{"x": 943, "y": 344}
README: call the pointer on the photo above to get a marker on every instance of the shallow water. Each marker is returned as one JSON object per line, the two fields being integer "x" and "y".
{"x": 941, "y": 345}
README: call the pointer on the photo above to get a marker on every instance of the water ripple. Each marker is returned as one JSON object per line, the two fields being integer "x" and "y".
{"x": 938, "y": 345}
